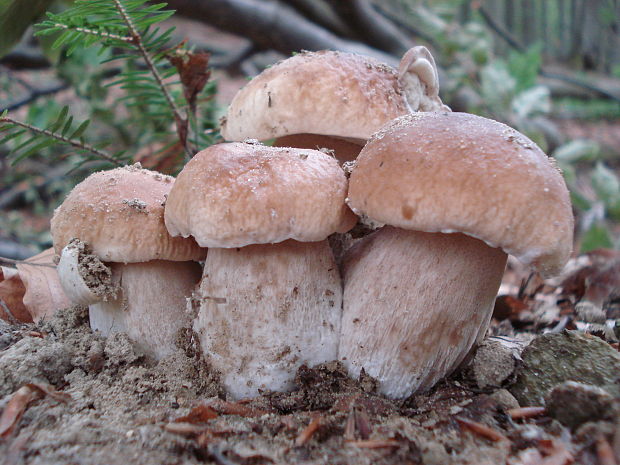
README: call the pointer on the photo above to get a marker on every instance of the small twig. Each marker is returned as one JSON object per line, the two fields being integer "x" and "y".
{"x": 308, "y": 431}
{"x": 374, "y": 443}
{"x": 106, "y": 35}
{"x": 481, "y": 430}
{"x": 74, "y": 143}
{"x": 136, "y": 39}
{"x": 525, "y": 412}
{"x": 24, "y": 262}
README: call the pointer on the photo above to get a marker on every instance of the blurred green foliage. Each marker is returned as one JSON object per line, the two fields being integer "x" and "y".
{"x": 113, "y": 103}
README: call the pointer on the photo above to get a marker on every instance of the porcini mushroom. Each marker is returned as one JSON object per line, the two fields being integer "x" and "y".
{"x": 460, "y": 192}
{"x": 118, "y": 258}
{"x": 270, "y": 297}
{"x": 331, "y": 100}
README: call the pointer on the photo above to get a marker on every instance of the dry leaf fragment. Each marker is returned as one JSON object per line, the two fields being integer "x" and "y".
{"x": 19, "y": 401}
{"x": 184, "y": 429}
{"x": 44, "y": 294}
{"x": 49, "y": 390}
{"x": 193, "y": 69}
{"x": 555, "y": 452}
{"x": 200, "y": 414}
{"x": 15, "y": 408}
{"x": 234, "y": 408}
{"x": 308, "y": 431}
{"x": 604, "y": 452}
{"x": 481, "y": 430}
{"x": 12, "y": 290}
{"x": 358, "y": 424}
{"x": 525, "y": 412}
{"x": 374, "y": 443}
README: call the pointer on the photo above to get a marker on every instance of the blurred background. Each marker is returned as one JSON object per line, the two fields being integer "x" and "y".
{"x": 550, "y": 68}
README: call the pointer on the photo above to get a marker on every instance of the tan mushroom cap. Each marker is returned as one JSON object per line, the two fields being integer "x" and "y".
{"x": 233, "y": 195}
{"x": 355, "y": 95}
{"x": 120, "y": 214}
{"x": 456, "y": 172}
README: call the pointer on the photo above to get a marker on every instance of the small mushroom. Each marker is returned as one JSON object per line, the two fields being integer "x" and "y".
{"x": 460, "y": 192}
{"x": 331, "y": 100}
{"x": 270, "y": 298}
{"x": 117, "y": 257}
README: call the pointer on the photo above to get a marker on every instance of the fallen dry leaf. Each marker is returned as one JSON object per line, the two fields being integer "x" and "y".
{"x": 199, "y": 414}
{"x": 12, "y": 290}
{"x": 44, "y": 294}
{"x": 19, "y": 401}
{"x": 193, "y": 68}
{"x": 15, "y": 408}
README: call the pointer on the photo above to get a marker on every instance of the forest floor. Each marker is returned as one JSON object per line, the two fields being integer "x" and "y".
{"x": 70, "y": 396}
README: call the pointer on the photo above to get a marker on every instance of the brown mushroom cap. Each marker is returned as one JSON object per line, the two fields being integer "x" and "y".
{"x": 456, "y": 172}
{"x": 355, "y": 96}
{"x": 233, "y": 195}
{"x": 120, "y": 214}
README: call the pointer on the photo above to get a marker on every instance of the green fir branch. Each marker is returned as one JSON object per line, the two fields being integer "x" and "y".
{"x": 130, "y": 28}
{"x": 44, "y": 138}
{"x": 128, "y": 25}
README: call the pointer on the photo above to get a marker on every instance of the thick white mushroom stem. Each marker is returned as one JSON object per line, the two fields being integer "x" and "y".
{"x": 264, "y": 310}
{"x": 83, "y": 276}
{"x": 343, "y": 149}
{"x": 414, "y": 304}
{"x": 419, "y": 81}
{"x": 151, "y": 305}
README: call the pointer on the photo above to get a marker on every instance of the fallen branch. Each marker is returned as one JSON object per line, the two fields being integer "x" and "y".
{"x": 375, "y": 28}
{"x": 321, "y": 13}
{"x": 270, "y": 24}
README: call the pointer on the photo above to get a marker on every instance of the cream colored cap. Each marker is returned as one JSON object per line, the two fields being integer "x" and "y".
{"x": 456, "y": 172}
{"x": 233, "y": 195}
{"x": 329, "y": 93}
{"x": 120, "y": 214}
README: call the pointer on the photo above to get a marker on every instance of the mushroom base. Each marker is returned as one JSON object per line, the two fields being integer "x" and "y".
{"x": 414, "y": 305}
{"x": 264, "y": 310}
{"x": 151, "y": 304}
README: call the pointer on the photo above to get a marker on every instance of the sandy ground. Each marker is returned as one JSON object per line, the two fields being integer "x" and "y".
{"x": 123, "y": 408}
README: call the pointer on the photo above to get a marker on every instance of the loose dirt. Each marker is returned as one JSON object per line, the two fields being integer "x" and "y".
{"x": 125, "y": 408}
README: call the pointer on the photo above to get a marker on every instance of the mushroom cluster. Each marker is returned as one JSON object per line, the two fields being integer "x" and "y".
{"x": 449, "y": 194}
